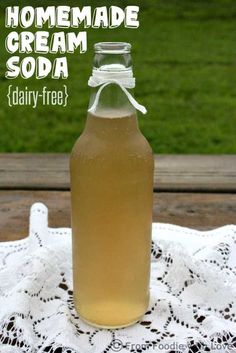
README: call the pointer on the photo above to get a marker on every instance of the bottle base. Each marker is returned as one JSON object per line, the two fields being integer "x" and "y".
{"x": 111, "y": 314}
{"x": 111, "y": 327}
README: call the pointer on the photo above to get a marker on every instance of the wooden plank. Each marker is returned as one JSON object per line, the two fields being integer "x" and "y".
{"x": 172, "y": 172}
{"x": 195, "y": 210}
{"x": 34, "y": 171}
{"x": 208, "y": 173}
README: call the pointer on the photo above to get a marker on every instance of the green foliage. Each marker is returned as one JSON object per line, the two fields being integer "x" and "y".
{"x": 184, "y": 61}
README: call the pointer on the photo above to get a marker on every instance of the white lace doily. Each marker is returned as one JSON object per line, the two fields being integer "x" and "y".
{"x": 192, "y": 306}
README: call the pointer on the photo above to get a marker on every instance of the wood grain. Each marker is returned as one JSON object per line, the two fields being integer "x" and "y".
{"x": 195, "y": 173}
{"x": 196, "y": 210}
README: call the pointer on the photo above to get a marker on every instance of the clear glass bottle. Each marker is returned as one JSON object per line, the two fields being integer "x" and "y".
{"x": 111, "y": 196}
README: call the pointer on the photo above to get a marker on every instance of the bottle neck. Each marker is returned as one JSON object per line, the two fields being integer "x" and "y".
{"x": 114, "y": 115}
{"x": 112, "y": 102}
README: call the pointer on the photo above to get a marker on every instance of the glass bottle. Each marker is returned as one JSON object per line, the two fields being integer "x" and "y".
{"x": 111, "y": 169}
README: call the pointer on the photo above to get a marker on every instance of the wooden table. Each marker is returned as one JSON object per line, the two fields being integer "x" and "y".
{"x": 190, "y": 190}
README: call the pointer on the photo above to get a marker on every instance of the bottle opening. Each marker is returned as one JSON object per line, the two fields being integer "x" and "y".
{"x": 112, "y": 48}
{"x": 112, "y": 57}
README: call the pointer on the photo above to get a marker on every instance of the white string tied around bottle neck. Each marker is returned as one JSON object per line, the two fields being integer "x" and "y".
{"x": 124, "y": 79}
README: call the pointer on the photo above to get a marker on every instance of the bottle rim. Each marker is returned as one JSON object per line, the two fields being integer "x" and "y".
{"x": 112, "y": 48}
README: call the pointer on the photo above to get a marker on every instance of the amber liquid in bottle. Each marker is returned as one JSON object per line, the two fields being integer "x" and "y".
{"x": 111, "y": 192}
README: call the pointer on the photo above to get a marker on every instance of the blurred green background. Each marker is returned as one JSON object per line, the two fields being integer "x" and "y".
{"x": 184, "y": 56}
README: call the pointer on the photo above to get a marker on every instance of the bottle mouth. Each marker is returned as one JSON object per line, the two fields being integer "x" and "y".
{"x": 112, "y": 48}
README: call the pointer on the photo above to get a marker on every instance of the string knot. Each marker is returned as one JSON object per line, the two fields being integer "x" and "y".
{"x": 124, "y": 79}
